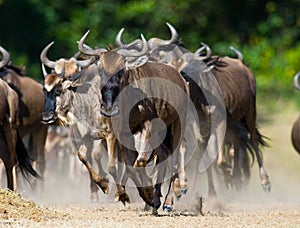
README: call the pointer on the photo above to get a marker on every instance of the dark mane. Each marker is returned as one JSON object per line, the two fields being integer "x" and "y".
{"x": 110, "y": 47}
{"x": 215, "y": 61}
{"x": 20, "y": 70}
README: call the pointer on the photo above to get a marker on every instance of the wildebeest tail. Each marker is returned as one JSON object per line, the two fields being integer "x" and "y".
{"x": 24, "y": 161}
{"x": 262, "y": 139}
{"x": 245, "y": 141}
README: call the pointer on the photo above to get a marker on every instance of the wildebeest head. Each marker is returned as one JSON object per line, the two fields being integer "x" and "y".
{"x": 113, "y": 67}
{"x": 159, "y": 48}
{"x": 62, "y": 69}
{"x": 8, "y": 70}
{"x": 51, "y": 89}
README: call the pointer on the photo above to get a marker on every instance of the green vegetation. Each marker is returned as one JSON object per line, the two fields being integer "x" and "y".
{"x": 267, "y": 32}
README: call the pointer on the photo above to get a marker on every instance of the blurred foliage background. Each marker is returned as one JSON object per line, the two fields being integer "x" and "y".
{"x": 267, "y": 32}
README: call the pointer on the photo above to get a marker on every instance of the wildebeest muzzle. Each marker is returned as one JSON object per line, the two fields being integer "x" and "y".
{"x": 109, "y": 92}
{"x": 109, "y": 106}
{"x": 49, "y": 116}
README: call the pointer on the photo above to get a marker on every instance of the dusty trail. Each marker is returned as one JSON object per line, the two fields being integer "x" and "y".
{"x": 64, "y": 201}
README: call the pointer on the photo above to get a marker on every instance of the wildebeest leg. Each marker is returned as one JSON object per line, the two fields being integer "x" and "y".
{"x": 100, "y": 181}
{"x": 145, "y": 192}
{"x": 223, "y": 166}
{"x": 236, "y": 167}
{"x": 255, "y": 137}
{"x": 211, "y": 187}
{"x": 181, "y": 174}
{"x": 89, "y": 142}
{"x": 38, "y": 140}
{"x": 162, "y": 154}
{"x": 143, "y": 144}
{"x": 221, "y": 157}
{"x": 97, "y": 154}
{"x": 8, "y": 155}
{"x": 168, "y": 204}
{"x": 245, "y": 164}
{"x": 8, "y": 165}
{"x": 266, "y": 184}
{"x": 178, "y": 160}
{"x": 112, "y": 155}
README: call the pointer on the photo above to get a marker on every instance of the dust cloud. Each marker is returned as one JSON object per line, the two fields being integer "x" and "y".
{"x": 66, "y": 180}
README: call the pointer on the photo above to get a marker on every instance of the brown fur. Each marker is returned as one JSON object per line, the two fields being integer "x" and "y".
{"x": 70, "y": 67}
{"x": 295, "y": 136}
{"x": 31, "y": 101}
{"x": 9, "y": 103}
{"x": 152, "y": 107}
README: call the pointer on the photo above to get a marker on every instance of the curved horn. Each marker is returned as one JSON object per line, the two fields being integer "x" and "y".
{"x": 296, "y": 81}
{"x": 238, "y": 53}
{"x": 89, "y": 51}
{"x": 174, "y": 34}
{"x": 135, "y": 53}
{"x": 118, "y": 39}
{"x": 154, "y": 42}
{"x": 5, "y": 57}
{"x": 86, "y": 46}
{"x": 208, "y": 51}
{"x": 84, "y": 63}
{"x": 44, "y": 70}
{"x": 44, "y": 58}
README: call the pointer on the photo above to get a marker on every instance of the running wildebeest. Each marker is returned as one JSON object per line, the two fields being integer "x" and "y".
{"x": 82, "y": 92}
{"x": 231, "y": 75}
{"x": 31, "y": 102}
{"x": 12, "y": 149}
{"x": 124, "y": 67}
{"x": 70, "y": 69}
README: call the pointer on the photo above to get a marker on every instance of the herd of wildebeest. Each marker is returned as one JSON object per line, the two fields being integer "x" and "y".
{"x": 115, "y": 95}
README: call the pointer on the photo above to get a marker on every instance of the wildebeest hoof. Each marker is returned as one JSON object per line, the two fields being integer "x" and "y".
{"x": 168, "y": 208}
{"x": 156, "y": 204}
{"x": 140, "y": 163}
{"x": 266, "y": 187}
{"x": 123, "y": 197}
{"x": 154, "y": 211}
{"x": 184, "y": 191}
{"x": 178, "y": 196}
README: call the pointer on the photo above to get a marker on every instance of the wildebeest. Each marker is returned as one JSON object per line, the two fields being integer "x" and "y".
{"x": 125, "y": 68}
{"x": 83, "y": 93}
{"x": 295, "y": 135}
{"x": 63, "y": 69}
{"x": 13, "y": 151}
{"x": 31, "y": 102}
{"x": 231, "y": 75}
{"x": 238, "y": 87}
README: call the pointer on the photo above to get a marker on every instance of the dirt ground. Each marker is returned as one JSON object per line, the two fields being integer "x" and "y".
{"x": 64, "y": 201}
